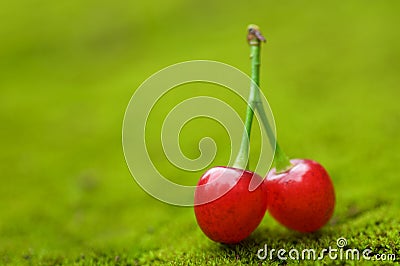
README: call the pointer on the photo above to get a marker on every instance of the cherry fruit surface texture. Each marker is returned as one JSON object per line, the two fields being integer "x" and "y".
{"x": 302, "y": 198}
{"x": 232, "y": 217}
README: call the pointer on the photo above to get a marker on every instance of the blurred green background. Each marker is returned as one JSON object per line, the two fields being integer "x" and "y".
{"x": 68, "y": 69}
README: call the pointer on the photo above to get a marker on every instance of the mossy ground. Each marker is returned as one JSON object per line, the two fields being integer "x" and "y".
{"x": 330, "y": 72}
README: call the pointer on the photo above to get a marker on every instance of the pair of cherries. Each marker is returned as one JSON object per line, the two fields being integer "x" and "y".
{"x": 297, "y": 193}
{"x": 301, "y": 198}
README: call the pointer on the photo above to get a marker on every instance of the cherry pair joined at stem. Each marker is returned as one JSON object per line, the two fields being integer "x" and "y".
{"x": 298, "y": 193}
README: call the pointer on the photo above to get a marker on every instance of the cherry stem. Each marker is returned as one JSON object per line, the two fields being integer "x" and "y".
{"x": 242, "y": 159}
{"x": 282, "y": 162}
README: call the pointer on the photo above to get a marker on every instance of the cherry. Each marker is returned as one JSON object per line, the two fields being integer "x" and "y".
{"x": 301, "y": 198}
{"x": 231, "y": 217}
{"x": 300, "y": 192}
{"x": 230, "y": 202}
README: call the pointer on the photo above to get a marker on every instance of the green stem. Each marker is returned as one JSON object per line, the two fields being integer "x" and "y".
{"x": 242, "y": 159}
{"x": 282, "y": 162}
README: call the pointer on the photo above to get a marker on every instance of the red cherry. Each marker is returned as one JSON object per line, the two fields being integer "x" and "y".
{"x": 225, "y": 209}
{"x": 301, "y": 198}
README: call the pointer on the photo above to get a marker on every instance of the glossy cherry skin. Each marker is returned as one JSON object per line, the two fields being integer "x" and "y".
{"x": 302, "y": 198}
{"x": 232, "y": 217}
